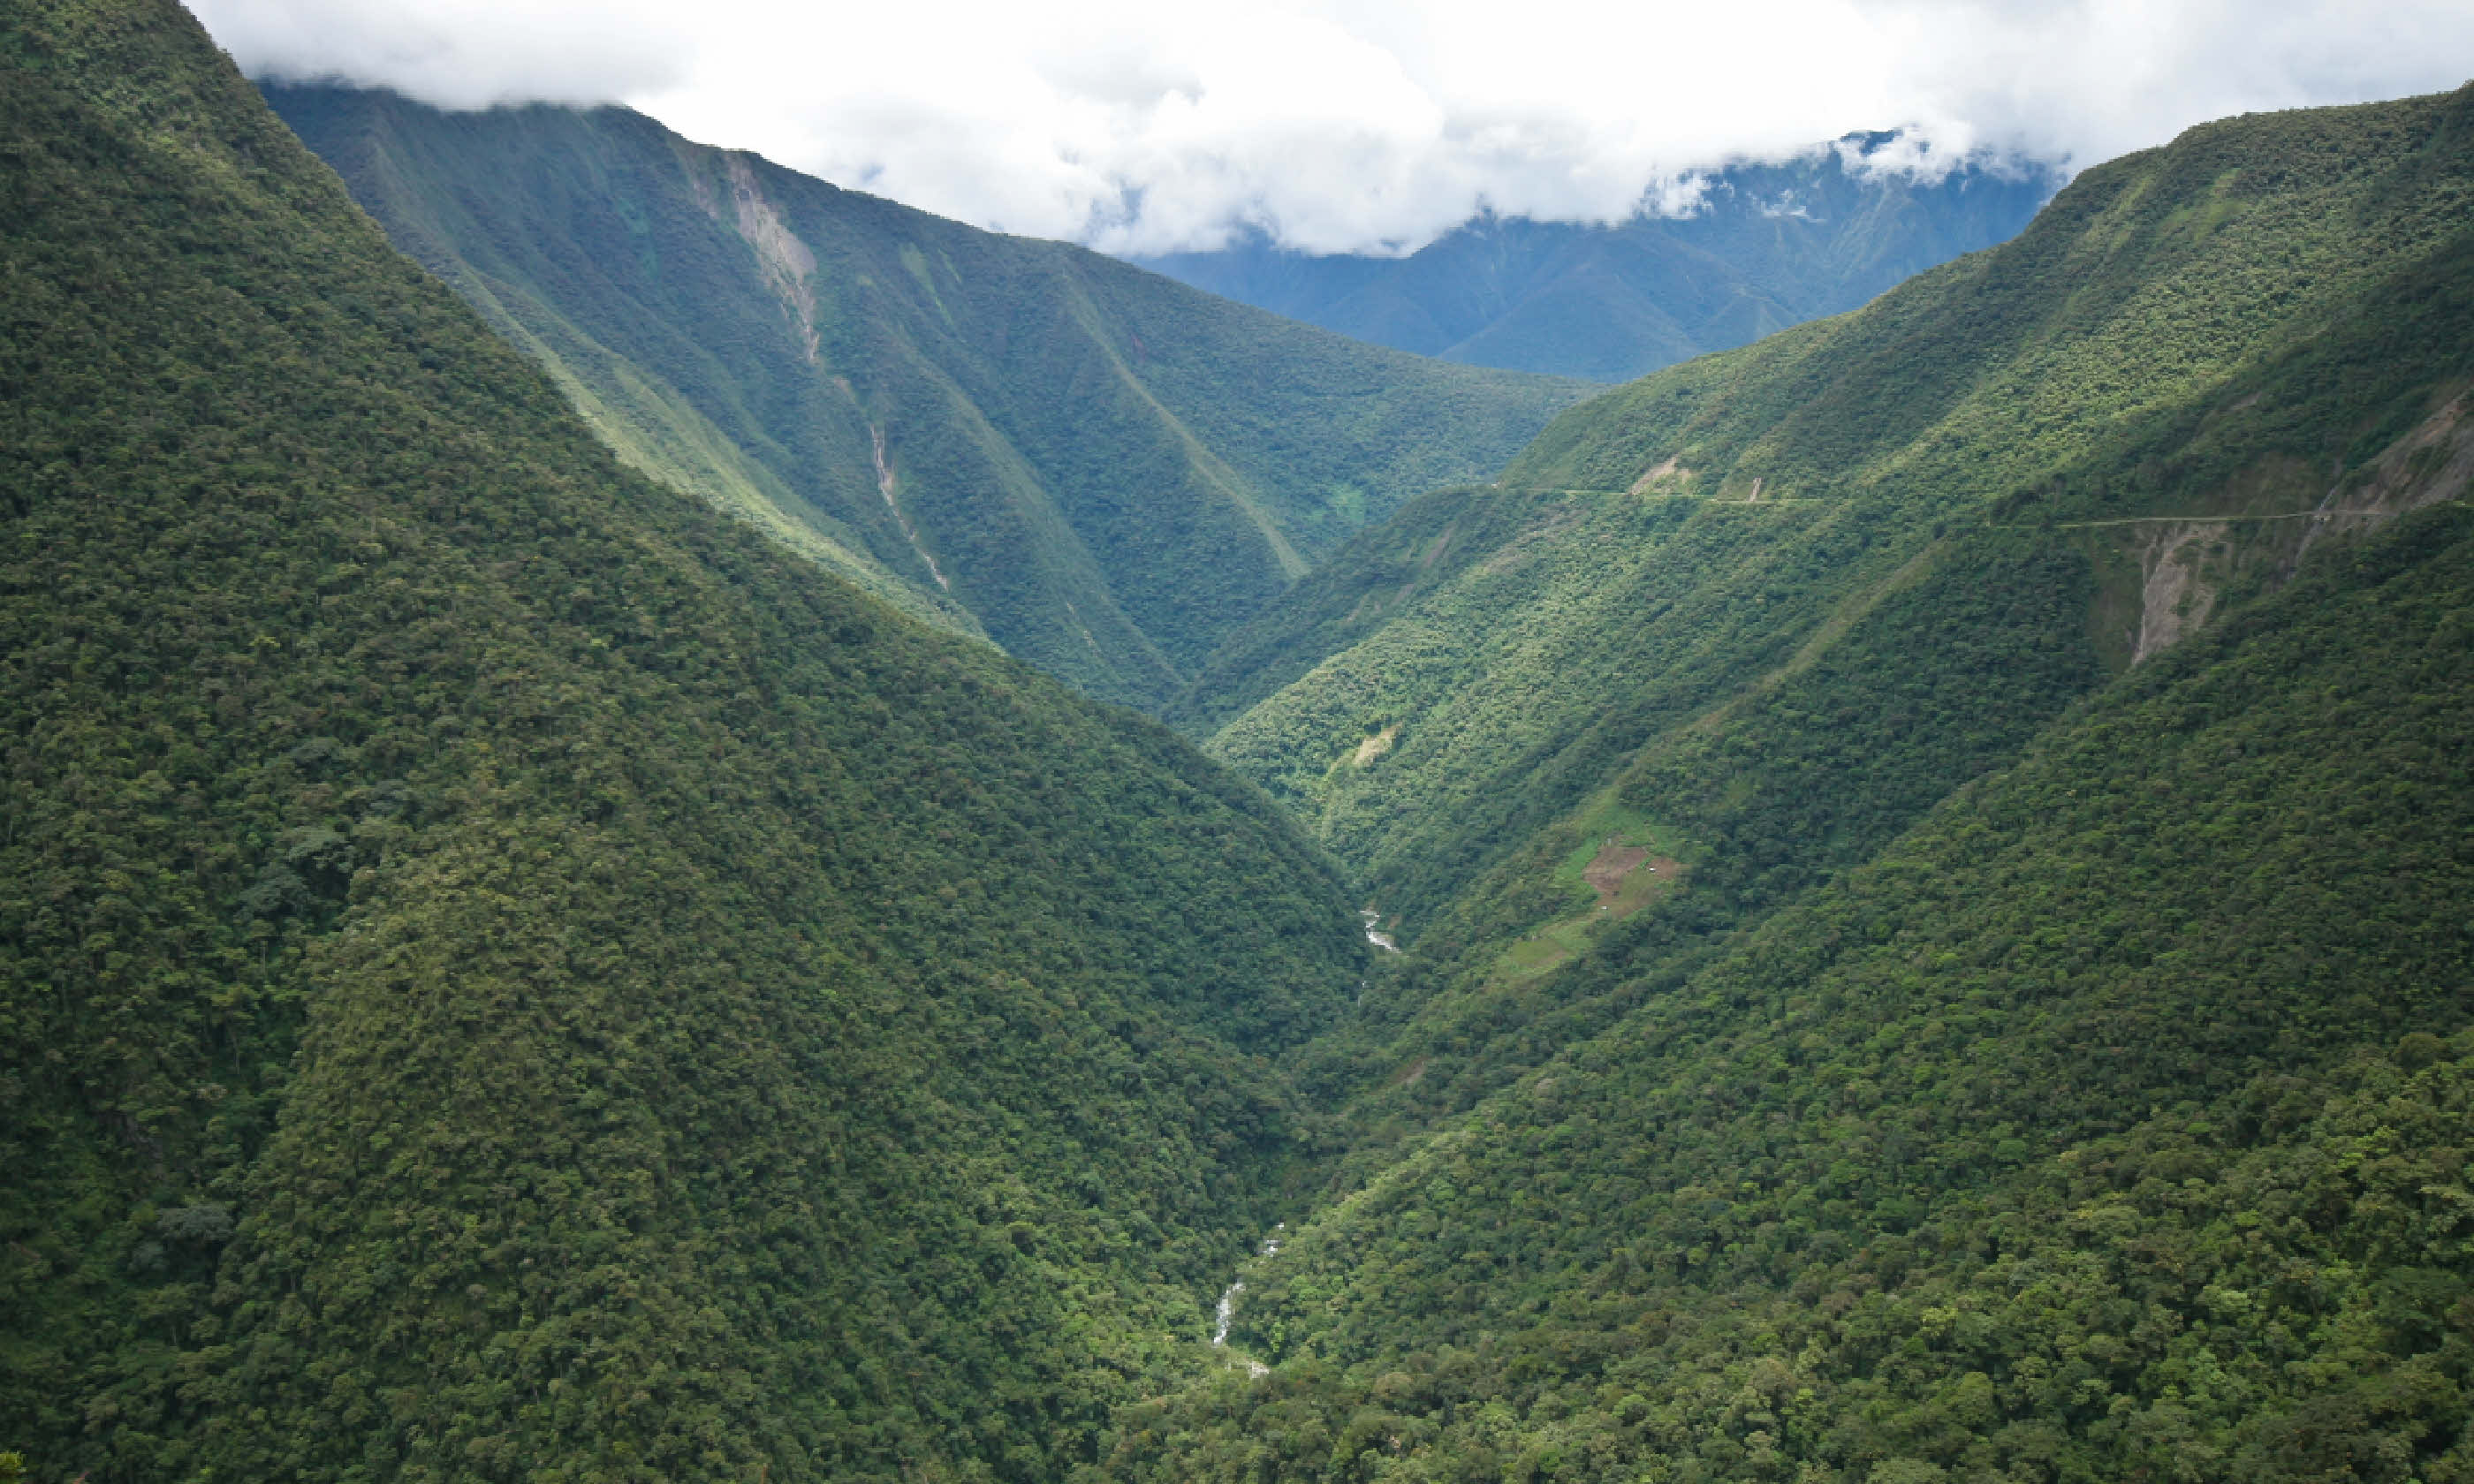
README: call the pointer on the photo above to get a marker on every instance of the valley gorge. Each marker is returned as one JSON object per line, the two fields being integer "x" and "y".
{"x": 667, "y": 823}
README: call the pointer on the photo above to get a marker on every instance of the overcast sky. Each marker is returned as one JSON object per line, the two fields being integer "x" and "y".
{"x": 1354, "y": 124}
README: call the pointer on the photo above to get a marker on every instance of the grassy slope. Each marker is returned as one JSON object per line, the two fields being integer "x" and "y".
{"x": 508, "y": 973}
{"x": 1109, "y": 470}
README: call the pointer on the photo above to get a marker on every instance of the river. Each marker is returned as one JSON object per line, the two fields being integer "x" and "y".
{"x": 1228, "y": 1311}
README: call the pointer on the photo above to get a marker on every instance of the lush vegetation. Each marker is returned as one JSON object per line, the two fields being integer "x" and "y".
{"x": 507, "y": 973}
{"x": 2035, "y": 1064}
{"x": 2201, "y": 331}
{"x": 1766, "y": 245}
{"x": 1932, "y": 849}
{"x": 1109, "y": 471}
{"x": 2108, "y": 1125}
{"x": 1813, "y": 773}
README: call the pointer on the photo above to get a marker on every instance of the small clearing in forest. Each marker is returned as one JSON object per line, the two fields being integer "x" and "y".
{"x": 1627, "y": 876}
{"x": 1606, "y": 871}
{"x": 1623, "y": 869}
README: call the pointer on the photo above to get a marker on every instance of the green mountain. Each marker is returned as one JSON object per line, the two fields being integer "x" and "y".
{"x": 1930, "y": 852}
{"x": 1103, "y": 471}
{"x": 1769, "y": 244}
{"x": 508, "y": 973}
{"x": 2195, "y": 364}
{"x": 1932, "y": 856}
{"x": 2111, "y": 1124}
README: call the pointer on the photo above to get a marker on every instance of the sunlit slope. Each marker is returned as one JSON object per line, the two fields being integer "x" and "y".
{"x": 2263, "y": 321}
{"x": 1105, "y": 470}
{"x": 1932, "y": 853}
{"x": 2109, "y": 1124}
{"x": 509, "y": 973}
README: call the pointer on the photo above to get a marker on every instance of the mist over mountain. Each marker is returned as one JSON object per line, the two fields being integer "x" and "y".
{"x": 1751, "y": 248}
{"x": 1354, "y": 126}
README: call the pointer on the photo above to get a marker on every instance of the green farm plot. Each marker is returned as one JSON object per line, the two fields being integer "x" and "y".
{"x": 1625, "y": 861}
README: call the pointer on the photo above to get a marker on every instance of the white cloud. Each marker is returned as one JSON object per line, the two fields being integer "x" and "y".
{"x": 1358, "y": 124}
{"x": 464, "y": 54}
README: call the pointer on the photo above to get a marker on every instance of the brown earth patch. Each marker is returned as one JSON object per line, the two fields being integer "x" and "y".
{"x": 2184, "y": 563}
{"x": 2174, "y": 596}
{"x": 1607, "y": 871}
{"x": 2432, "y": 463}
{"x": 1625, "y": 877}
{"x": 1650, "y": 479}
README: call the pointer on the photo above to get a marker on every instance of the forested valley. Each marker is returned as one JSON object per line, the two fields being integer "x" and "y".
{"x": 1104, "y": 471}
{"x": 1889, "y": 905}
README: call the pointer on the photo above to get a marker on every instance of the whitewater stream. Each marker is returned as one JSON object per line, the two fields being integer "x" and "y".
{"x": 1228, "y": 1311}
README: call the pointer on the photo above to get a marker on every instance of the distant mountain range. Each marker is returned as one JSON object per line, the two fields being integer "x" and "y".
{"x": 1104, "y": 471}
{"x": 1770, "y": 245}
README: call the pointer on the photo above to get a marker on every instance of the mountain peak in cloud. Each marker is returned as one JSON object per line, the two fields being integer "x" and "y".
{"x": 1721, "y": 258}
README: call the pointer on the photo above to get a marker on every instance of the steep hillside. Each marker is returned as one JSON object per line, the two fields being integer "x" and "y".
{"x": 510, "y": 973}
{"x": 1105, "y": 470}
{"x": 2197, "y": 362}
{"x": 1932, "y": 853}
{"x": 1767, "y": 245}
{"x": 2109, "y": 1125}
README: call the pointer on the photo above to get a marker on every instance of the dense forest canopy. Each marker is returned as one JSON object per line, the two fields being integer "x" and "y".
{"x": 510, "y": 973}
{"x": 2109, "y": 1124}
{"x": 1933, "y": 857}
{"x": 1930, "y": 852}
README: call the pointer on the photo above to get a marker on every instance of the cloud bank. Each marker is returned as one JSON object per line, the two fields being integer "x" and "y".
{"x": 1356, "y": 125}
